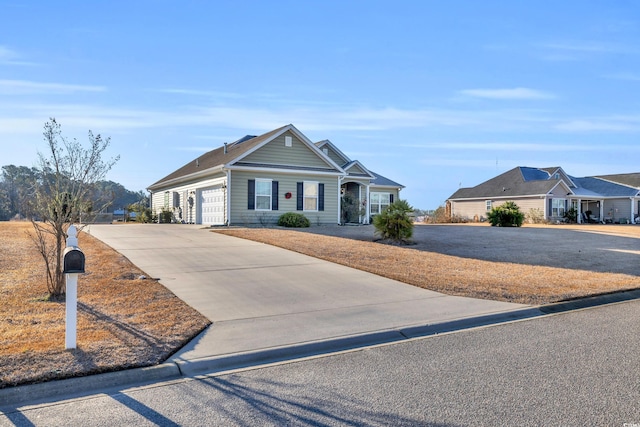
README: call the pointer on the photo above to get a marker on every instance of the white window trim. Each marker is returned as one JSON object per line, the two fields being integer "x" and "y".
{"x": 556, "y": 207}
{"x": 305, "y": 196}
{"x": 379, "y": 203}
{"x": 488, "y": 205}
{"x": 270, "y": 181}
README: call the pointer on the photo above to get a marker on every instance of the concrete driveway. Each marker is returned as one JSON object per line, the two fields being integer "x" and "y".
{"x": 261, "y": 297}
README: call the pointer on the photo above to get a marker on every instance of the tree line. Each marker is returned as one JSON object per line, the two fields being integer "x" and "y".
{"x": 18, "y": 191}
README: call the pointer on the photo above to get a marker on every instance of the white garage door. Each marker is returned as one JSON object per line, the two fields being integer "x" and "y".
{"x": 212, "y": 205}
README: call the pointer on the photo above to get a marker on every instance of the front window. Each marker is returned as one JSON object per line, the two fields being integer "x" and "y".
{"x": 488, "y": 205}
{"x": 379, "y": 202}
{"x": 263, "y": 195}
{"x": 310, "y": 196}
{"x": 557, "y": 207}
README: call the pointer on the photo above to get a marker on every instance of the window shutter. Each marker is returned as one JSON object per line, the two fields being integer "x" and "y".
{"x": 390, "y": 198}
{"x": 321, "y": 197}
{"x": 550, "y": 208}
{"x": 300, "y": 196}
{"x": 274, "y": 195}
{"x": 251, "y": 195}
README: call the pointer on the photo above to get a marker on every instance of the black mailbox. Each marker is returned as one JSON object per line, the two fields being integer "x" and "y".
{"x": 73, "y": 260}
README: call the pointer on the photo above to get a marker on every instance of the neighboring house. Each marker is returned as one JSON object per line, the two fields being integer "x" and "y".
{"x": 550, "y": 191}
{"x": 258, "y": 178}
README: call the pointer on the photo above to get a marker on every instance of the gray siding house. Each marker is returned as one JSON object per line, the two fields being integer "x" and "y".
{"x": 258, "y": 178}
{"x": 550, "y": 191}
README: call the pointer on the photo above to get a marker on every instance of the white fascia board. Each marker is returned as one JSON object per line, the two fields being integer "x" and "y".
{"x": 475, "y": 199}
{"x": 186, "y": 178}
{"x": 357, "y": 162}
{"x": 334, "y": 148}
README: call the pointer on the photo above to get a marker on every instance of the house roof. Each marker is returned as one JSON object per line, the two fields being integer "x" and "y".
{"x": 219, "y": 156}
{"x": 519, "y": 181}
{"x": 630, "y": 179}
{"x": 381, "y": 181}
{"x": 231, "y": 155}
{"x": 529, "y": 181}
{"x": 600, "y": 187}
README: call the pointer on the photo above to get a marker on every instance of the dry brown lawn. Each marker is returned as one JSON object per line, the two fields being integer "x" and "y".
{"x": 453, "y": 275}
{"x": 123, "y": 321}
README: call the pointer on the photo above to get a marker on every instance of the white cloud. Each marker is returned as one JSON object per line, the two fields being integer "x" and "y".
{"x": 22, "y": 87}
{"x": 10, "y": 57}
{"x": 608, "y": 124}
{"x": 515, "y": 93}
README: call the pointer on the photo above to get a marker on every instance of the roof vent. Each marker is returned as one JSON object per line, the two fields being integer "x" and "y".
{"x": 225, "y": 148}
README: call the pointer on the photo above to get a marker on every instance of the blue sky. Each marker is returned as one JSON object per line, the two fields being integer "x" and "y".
{"x": 432, "y": 94}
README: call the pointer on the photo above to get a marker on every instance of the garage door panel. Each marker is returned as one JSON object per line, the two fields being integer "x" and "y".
{"x": 212, "y": 206}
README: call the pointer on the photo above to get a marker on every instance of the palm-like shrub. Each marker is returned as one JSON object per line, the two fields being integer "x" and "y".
{"x": 394, "y": 222}
{"x": 506, "y": 215}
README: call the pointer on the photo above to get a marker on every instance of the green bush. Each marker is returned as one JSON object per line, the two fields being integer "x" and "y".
{"x": 506, "y": 215}
{"x": 166, "y": 216}
{"x": 394, "y": 222}
{"x": 292, "y": 219}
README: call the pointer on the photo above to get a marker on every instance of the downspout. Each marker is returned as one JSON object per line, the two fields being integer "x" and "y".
{"x": 227, "y": 196}
{"x": 340, "y": 178}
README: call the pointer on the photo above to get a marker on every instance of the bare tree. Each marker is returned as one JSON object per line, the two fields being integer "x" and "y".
{"x": 62, "y": 194}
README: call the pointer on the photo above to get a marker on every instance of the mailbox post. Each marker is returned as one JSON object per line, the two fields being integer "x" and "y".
{"x": 73, "y": 265}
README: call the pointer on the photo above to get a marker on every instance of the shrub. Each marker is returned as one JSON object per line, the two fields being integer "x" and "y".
{"x": 166, "y": 216}
{"x": 535, "y": 216}
{"x": 292, "y": 219}
{"x": 506, "y": 215}
{"x": 394, "y": 222}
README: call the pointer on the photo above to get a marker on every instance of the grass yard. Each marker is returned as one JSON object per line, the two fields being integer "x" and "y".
{"x": 424, "y": 266}
{"x": 123, "y": 321}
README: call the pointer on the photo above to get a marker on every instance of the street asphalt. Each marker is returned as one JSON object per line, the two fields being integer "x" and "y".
{"x": 268, "y": 304}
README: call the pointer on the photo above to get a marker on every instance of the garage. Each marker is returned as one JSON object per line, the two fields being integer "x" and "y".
{"x": 212, "y": 206}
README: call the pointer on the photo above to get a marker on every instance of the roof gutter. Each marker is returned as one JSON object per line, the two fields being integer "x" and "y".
{"x": 186, "y": 178}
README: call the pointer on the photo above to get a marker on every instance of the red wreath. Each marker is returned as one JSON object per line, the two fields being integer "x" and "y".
{"x": 287, "y": 195}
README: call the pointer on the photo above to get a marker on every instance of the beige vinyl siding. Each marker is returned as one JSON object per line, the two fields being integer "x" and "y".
{"x": 617, "y": 209}
{"x": 477, "y": 209}
{"x": 276, "y": 153}
{"x": 240, "y": 215}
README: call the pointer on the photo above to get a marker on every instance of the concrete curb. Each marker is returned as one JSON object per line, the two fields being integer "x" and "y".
{"x": 13, "y": 397}
{"x": 82, "y": 386}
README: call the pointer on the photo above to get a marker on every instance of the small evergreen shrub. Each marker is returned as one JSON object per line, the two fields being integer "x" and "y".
{"x": 506, "y": 215}
{"x": 294, "y": 220}
{"x": 394, "y": 222}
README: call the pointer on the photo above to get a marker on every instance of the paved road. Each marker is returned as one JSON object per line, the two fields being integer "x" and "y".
{"x": 574, "y": 369}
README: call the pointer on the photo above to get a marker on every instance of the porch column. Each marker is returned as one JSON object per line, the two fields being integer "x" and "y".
{"x": 633, "y": 216}
{"x": 602, "y": 211}
{"x": 368, "y": 206}
{"x": 579, "y": 217}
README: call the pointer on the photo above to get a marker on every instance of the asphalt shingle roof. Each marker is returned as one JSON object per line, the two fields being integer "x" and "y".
{"x": 528, "y": 181}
